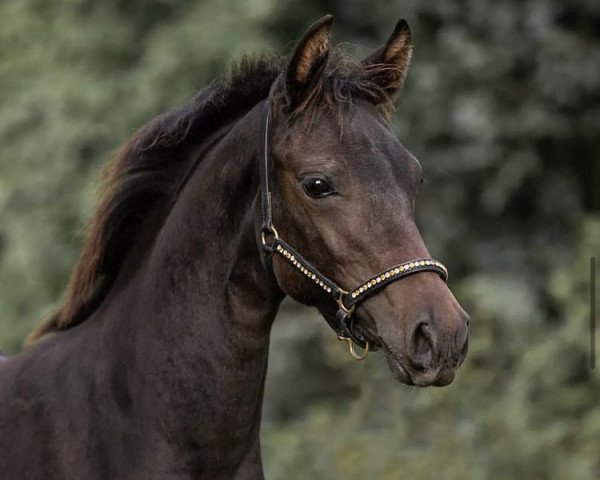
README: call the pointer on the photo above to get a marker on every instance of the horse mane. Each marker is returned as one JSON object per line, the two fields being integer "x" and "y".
{"x": 149, "y": 168}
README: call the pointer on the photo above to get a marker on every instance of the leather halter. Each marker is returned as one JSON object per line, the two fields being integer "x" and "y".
{"x": 342, "y": 323}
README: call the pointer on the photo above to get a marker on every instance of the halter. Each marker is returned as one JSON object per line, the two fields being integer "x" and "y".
{"x": 342, "y": 323}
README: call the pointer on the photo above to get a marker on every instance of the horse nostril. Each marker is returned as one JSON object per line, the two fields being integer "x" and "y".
{"x": 466, "y": 318}
{"x": 422, "y": 346}
{"x": 462, "y": 342}
{"x": 465, "y": 345}
{"x": 464, "y": 350}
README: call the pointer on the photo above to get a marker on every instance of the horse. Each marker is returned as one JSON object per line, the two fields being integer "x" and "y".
{"x": 283, "y": 179}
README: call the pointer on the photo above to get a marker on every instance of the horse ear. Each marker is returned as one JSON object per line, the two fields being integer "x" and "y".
{"x": 387, "y": 66}
{"x": 309, "y": 57}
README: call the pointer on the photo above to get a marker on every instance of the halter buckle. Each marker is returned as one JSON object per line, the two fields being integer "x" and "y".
{"x": 349, "y": 312}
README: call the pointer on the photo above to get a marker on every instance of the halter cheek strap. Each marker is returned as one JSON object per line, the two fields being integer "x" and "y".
{"x": 342, "y": 323}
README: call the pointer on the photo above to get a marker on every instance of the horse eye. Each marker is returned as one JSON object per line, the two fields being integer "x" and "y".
{"x": 317, "y": 187}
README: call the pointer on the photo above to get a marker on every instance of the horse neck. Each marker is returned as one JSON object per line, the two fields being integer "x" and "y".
{"x": 202, "y": 306}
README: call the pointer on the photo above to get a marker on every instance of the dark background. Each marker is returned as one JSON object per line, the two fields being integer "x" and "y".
{"x": 501, "y": 106}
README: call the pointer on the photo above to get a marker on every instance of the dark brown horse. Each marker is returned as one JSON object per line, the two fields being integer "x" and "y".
{"x": 155, "y": 366}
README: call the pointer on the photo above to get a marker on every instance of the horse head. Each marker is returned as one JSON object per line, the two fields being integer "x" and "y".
{"x": 343, "y": 198}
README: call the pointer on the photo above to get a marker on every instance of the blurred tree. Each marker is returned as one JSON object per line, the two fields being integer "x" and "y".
{"x": 501, "y": 107}
{"x": 78, "y": 77}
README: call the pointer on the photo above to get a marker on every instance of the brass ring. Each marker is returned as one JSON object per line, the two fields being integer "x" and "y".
{"x": 347, "y": 311}
{"x": 353, "y": 353}
{"x": 263, "y": 236}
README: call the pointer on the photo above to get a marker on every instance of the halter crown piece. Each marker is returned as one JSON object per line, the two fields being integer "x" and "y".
{"x": 347, "y": 300}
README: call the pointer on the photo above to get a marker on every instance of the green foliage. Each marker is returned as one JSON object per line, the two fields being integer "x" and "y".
{"x": 501, "y": 108}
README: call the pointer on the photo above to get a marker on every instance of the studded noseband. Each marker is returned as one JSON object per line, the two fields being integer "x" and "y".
{"x": 272, "y": 243}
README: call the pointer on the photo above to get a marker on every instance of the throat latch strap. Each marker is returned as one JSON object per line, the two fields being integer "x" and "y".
{"x": 263, "y": 160}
